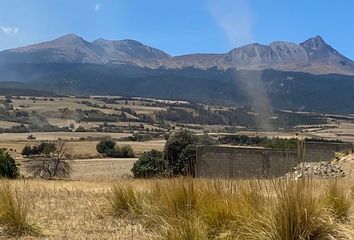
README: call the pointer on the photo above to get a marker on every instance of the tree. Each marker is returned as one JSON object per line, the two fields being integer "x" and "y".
{"x": 150, "y": 164}
{"x": 53, "y": 165}
{"x": 106, "y": 147}
{"x": 175, "y": 145}
{"x": 8, "y": 166}
{"x": 180, "y": 151}
{"x": 188, "y": 159}
{"x": 26, "y": 151}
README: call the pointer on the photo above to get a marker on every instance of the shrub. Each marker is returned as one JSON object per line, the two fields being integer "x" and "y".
{"x": 106, "y": 146}
{"x": 26, "y": 151}
{"x": 126, "y": 151}
{"x": 8, "y": 166}
{"x": 150, "y": 164}
{"x": 45, "y": 148}
{"x": 109, "y": 149}
{"x": 178, "y": 158}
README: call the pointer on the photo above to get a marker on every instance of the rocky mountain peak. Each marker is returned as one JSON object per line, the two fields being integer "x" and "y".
{"x": 69, "y": 39}
{"x": 317, "y": 48}
{"x": 315, "y": 43}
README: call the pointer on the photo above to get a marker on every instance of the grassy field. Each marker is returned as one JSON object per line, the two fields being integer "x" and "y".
{"x": 98, "y": 169}
{"x": 102, "y": 201}
{"x": 83, "y": 149}
{"x": 182, "y": 209}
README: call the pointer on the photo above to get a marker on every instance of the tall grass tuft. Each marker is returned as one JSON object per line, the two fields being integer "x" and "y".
{"x": 14, "y": 209}
{"x": 180, "y": 198}
{"x": 337, "y": 201}
{"x": 185, "y": 229}
{"x": 188, "y": 209}
{"x": 123, "y": 200}
{"x": 298, "y": 214}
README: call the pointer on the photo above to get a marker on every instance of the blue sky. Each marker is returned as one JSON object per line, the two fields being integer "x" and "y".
{"x": 180, "y": 26}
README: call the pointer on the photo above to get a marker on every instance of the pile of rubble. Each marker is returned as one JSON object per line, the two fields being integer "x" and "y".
{"x": 328, "y": 169}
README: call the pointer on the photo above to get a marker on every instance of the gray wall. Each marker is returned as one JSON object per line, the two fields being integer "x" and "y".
{"x": 233, "y": 162}
{"x": 322, "y": 151}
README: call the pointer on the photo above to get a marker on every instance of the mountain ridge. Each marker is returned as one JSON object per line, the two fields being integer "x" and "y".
{"x": 311, "y": 56}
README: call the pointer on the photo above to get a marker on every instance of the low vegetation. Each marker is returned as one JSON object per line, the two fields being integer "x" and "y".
{"x": 52, "y": 164}
{"x": 8, "y": 168}
{"x": 14, "y": 209}
{"x": 108, "y": 148}
{"x": 279, "y": 143}
{"x": 44, "y": 148}
{"x": 182, "y": 209}
{"x": 150, "y": 164}
{"x": 178, "y": 209}
{"x": 177, "y": 159}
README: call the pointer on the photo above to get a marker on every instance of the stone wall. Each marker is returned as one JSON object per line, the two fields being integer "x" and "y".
{"x": 234, "y": 162}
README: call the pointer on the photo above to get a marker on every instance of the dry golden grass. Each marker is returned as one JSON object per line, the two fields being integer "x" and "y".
{"x": 98, "y": 169}
{"x": 238, "y": 209}
{"x": 79, "y": 149}
{"x": 73, "y": 210}
{"x": 87, "y": 149}
{"x": 95, "y": 168}
{"x": 166, "y": 209}
{"x": 72, "y": 104}
{"x": 43, "y": 136}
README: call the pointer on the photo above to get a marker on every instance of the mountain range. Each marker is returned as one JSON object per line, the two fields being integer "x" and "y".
{"x": 312, "y": 56}
{"x": 310, "y": 76}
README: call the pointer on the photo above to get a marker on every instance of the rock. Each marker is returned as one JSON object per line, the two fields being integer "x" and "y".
{"x": 316, "y": 170}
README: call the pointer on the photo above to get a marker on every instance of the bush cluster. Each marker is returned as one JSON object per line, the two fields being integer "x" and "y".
{"x": 44, "y": 148}
{"x": 108, "y": 148}
{"x": 150, "y": 164}
{"x": 178, "y": 157}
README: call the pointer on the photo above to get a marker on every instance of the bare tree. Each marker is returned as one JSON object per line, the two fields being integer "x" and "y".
{"x": 53, "y": 164}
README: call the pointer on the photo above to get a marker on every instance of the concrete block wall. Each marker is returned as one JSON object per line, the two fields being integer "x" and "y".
{"x": 323, "y": 151}
{"x": 243, "y": 162}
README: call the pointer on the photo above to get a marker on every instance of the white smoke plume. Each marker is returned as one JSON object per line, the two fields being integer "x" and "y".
{"x": 236, "y": 19}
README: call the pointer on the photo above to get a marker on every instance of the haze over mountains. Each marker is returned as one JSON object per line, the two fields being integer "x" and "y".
{"x": 312, "y": 56}
{"x": 310, "y": 76}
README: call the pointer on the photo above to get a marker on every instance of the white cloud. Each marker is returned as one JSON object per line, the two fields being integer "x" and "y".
{"x": 97, "y": 7}
{"x": 9, "y": 30}
{"x": 235, "y": 17}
